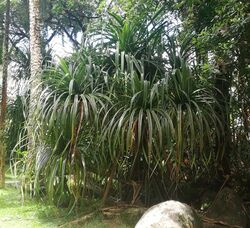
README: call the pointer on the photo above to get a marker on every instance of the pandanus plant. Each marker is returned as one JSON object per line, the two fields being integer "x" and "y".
{"x": 71, "y": 101}
{"x": 140, "y": 38}
{"x": 131, "y": 124}
{"x": 156, "y": 128}
{"x": 121, "y": 128}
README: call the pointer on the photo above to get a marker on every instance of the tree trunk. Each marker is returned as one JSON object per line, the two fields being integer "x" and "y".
{"x": 243, "y": 78}
{"x": 4, "y": 94}
{"x": 35, "y": 63}
{"x": 223, "y": 83}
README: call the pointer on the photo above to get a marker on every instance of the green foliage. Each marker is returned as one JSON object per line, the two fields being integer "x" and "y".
{"x": 15, "y": 123}
{"x": 71, "y": 101}
{"x": 144, "y": 103}
{"x": 88, "y": 117}
{"x": 140, "y": 38}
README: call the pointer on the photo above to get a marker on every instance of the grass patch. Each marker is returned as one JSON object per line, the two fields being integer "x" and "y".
{"x": 30, "y": 213}
{"x": 16, "y": 213}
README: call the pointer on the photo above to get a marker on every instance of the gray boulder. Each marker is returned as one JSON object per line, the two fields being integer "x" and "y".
{"x": 170, "y": 214}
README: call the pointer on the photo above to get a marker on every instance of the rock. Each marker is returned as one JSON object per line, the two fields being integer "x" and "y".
{"x": 170, "y": 214}
{"x": 227, "y": 208}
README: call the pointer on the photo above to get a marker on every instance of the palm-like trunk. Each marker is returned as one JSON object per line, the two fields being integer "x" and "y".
{"x": 35, "y": 61}
{"x": 4, "y": 94}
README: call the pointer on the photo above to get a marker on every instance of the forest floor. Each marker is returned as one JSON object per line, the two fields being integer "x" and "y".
{"x": 30, "y": 213}
{"x": 15, "y": 212}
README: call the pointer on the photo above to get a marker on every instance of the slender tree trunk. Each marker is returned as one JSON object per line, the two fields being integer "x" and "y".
{"x": 223, "y": 83}
{"x": 243, "y": 78}
{"x": 4, "y": 94}
{"x": 35, "y": 63}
